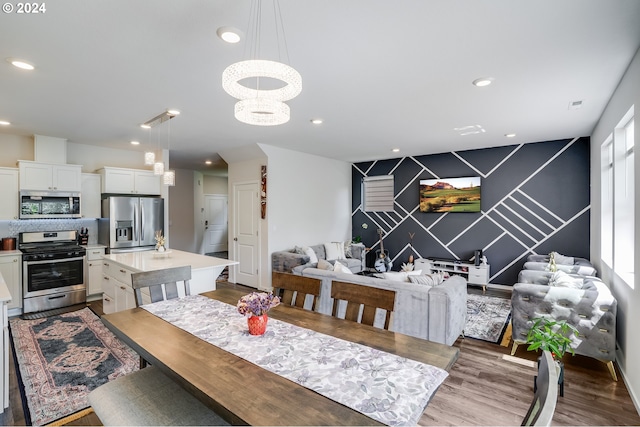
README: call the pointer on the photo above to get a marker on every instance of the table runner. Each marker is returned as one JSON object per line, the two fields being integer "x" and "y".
{"x": 388, "y": 388}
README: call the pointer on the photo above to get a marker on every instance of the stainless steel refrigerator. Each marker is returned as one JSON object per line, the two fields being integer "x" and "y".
{"x": 130, "y": 223}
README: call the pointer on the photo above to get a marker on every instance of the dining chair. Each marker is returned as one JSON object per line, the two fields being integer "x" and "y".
{"x": 162, "y": 284}
{"x": 543, "y": 406}
{"x": 148, "y": 396}
{"x": 367, "y": 296}
{"x": 293, "y": 289}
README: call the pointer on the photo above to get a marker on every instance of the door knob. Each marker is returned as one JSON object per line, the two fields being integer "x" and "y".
{"x": 235, "y": 239}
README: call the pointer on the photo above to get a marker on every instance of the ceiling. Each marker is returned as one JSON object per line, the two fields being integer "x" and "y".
{"x": 381, "y": 74}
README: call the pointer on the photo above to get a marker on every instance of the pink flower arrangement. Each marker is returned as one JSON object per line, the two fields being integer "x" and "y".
{"x": 257, "y": 303}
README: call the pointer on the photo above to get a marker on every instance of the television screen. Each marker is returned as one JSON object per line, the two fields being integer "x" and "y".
{"x": 450, "y": 194}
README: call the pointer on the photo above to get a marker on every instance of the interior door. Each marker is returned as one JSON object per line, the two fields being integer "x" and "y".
{"x": 246, "y": 239}
{"x": 216, "y": 228}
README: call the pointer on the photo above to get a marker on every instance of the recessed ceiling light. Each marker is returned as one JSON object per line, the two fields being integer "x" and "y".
{"x": 145, "y": 126}
{"x": 483, "y": 81}
{"x": 208, "y": 162}
{"x": 229, "y": 34}
{"x": 4, "y": 123}
{"x": 316, "y": 121}
{"x": 20, "y": 63}
{"x": 135, "y": 143}
{"x": 510, "y": 135}
{"x": 395, "y": 150}
{"x": 173, "y": 112}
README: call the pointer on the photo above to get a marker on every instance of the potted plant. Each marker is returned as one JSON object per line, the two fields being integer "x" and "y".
{"x": 552, "y": 335}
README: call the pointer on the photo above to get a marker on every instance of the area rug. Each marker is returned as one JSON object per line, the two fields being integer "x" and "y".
{"x": 487, "y": 317}
{"x": 62, "y": 358}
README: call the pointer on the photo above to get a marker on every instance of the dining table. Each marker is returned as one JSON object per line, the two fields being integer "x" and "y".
{"x": 244, "y": 393}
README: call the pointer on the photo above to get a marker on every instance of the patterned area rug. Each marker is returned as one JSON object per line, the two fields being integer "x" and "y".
{"x": 487, "y": 317}
{"x": 63, "y": 358}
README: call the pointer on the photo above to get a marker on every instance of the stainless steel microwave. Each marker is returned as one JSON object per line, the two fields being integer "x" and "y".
{"x": 49, "y": 204}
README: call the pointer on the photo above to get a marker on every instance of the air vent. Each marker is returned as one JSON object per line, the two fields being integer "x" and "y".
{"x": 575, "y": 105}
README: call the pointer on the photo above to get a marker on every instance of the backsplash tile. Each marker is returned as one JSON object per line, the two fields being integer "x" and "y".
{"x": 13, "y": 228}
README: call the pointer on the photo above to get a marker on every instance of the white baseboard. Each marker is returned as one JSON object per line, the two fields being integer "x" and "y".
{"x": 620, "y": 361}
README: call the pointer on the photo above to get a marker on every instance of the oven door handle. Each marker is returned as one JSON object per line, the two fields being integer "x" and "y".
{"x": 49, "y": 261}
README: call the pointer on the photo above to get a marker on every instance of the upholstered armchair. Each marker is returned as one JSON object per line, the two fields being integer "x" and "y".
{"x": 591, "y": 308}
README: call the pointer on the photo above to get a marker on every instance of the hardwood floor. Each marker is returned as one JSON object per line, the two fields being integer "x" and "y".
{"x": 482, "y": 389}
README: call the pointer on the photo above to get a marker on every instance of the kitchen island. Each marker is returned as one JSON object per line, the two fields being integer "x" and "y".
{"x": 117, "y": 270}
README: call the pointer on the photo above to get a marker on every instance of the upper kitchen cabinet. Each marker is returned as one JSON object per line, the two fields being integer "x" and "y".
{"x": 9, "y": 193}
{"x": 129, "y": 181}
{"x": 90, "y": 202}
{"x": 49, "y": 177}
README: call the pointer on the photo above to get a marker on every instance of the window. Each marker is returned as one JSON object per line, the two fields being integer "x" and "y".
{"x": 377, "y": 193}
{"x": 606, "y": 202}
{"x": 617, "y": 226}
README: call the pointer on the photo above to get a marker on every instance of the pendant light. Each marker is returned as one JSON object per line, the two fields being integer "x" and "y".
{"x": 169, "y": 176}
{"x": 256, "y": 106}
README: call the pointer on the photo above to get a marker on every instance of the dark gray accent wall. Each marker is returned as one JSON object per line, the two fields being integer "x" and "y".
{"x": 535, "y": 199}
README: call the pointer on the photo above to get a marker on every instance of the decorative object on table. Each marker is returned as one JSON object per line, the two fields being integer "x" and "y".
{"x": 553, "y": 335}
{"x": 406, "y": 267}
{"x": 383, "y": 261}
{"x": 487, "y": 317}
{"x": 263, "y": 191}
{"x": 411, "y": 247}
{"x": 62, "y": 358}
{"x": 160, "y": 241}
{"x": 254, "y": 307}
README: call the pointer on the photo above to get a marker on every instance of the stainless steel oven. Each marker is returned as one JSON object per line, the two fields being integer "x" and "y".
{"x": 52, "y": 270}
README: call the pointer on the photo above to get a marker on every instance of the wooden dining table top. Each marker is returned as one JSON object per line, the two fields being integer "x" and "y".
{"x": 244, "y": 393}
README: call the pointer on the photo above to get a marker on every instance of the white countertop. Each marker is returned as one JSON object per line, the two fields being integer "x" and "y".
{"x": 8, "y": 253}
{"x": 152, "y": 260}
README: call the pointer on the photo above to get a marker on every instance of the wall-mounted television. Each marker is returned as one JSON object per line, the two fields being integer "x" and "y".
{"x": 450, "y": 194}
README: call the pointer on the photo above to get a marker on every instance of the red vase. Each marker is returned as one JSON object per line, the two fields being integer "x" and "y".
{"x": 257, "y": 324}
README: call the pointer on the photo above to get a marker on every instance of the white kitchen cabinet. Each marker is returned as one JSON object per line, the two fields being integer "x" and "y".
{"x": 11, "y": 268}
{"x": 4, "y": 345}
{"x": 116, "y": 287}
{"x": 9, "y": 193}
{"x": 90, "y": 200}
{"x": 129, "y": 181}
{"x": 49, "y": 176}
{"x": 93, "y": 272}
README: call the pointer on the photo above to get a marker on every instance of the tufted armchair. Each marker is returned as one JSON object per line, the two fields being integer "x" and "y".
{"x": 591, "y": 309}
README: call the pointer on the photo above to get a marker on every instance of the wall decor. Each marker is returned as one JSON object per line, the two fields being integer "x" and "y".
{"x": 535, "y": 199}
{"x": 263, "y": 191}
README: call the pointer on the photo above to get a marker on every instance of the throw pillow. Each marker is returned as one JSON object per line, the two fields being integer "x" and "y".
{"x": 347, "y": 250}
{"x": 298, "y": 250}
{"x": 562, "y": 279}
{"x": 561, "y": 259}
{"x": 400, "y": 276}
{"x": 339, "y": 268}
{"x": 427, "y": 279}
{"x": 323, "y": 264}
{"x": 334, "y": 250}
{"x": 313, "y": 258}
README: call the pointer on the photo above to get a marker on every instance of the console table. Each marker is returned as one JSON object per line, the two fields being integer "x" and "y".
{"x": 474, "y": 274}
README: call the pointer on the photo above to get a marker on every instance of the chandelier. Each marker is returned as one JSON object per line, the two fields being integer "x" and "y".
{"x": 168, "y": 176}
{"x": 260, "y": 106}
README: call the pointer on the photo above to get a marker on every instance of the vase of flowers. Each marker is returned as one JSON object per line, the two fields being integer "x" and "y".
{"x": 254, "y": 307}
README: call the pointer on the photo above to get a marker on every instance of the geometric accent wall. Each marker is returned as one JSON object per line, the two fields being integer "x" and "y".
{"x": 535, "y": 198}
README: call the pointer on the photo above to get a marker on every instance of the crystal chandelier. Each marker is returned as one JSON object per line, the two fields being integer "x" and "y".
{"x": 259, "y": 106}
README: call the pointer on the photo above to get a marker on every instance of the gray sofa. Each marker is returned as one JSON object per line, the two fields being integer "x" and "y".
{"x": 591, "y": 309}
{"x": 435, "y": 313}
{"x": 290, "y": 261}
